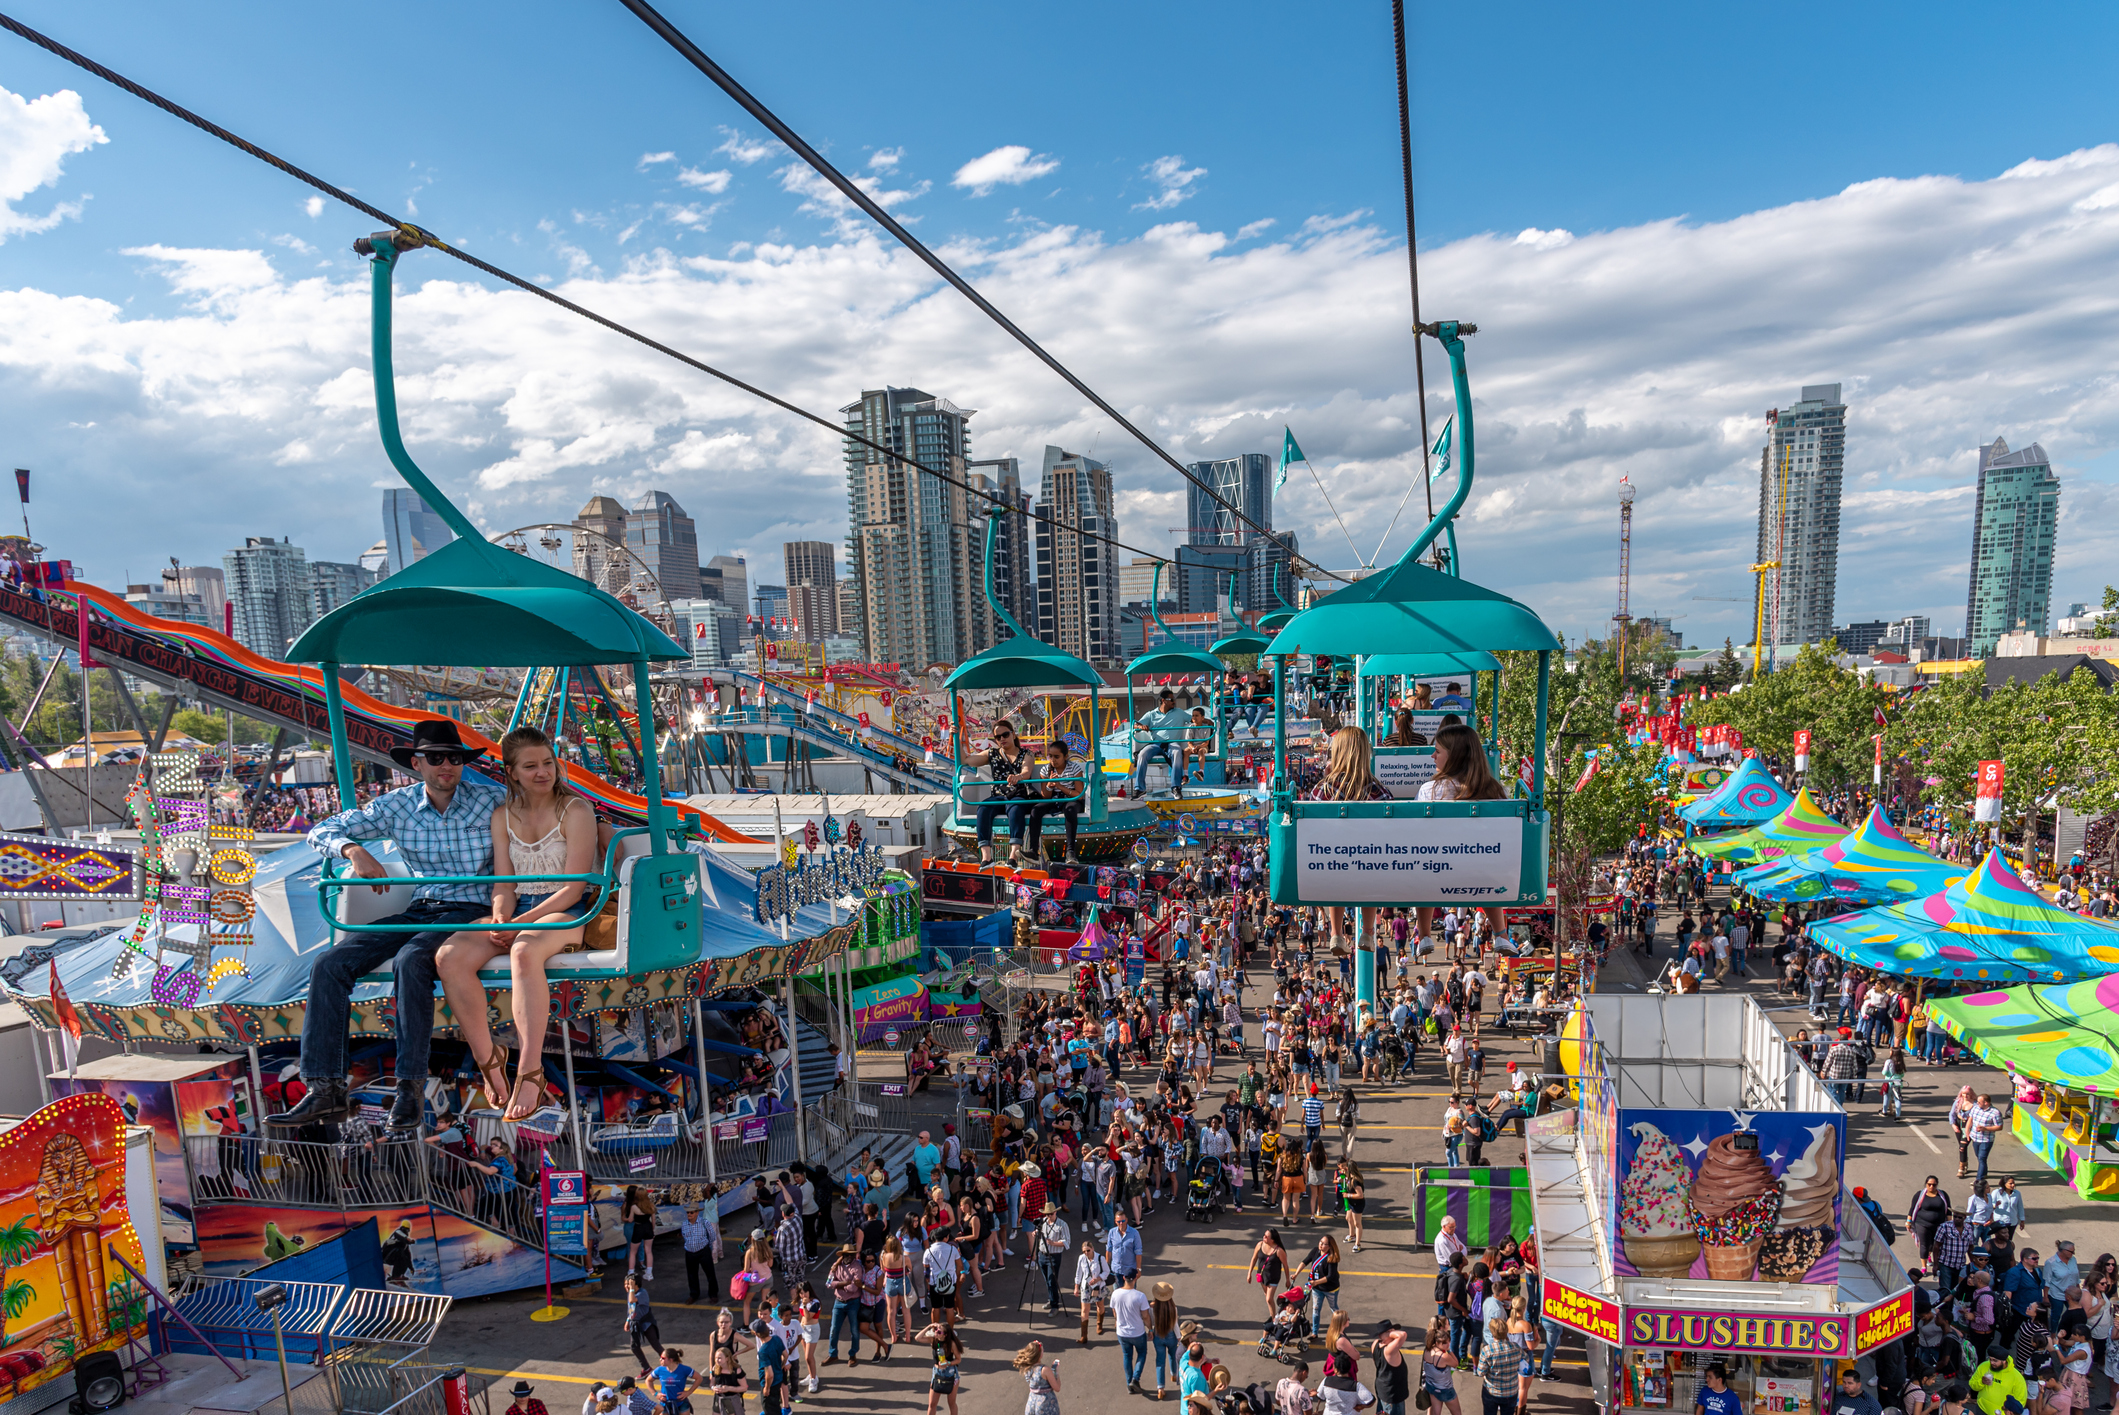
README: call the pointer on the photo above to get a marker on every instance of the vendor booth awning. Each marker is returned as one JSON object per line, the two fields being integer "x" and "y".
{"x": 1871, "y": 864}
{"x": 1749, "y": 796}
{"x": 2063, "y": 1034}
{"x": 1989, "y": 926}
{"x": 1796, "y": 830}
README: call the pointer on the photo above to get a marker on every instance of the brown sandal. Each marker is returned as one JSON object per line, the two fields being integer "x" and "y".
{"x": 544, "y": 1088}
{"x": 496, "y": 1097}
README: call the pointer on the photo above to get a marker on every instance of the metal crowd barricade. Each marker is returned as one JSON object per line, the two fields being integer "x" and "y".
{"x": 884, "y": 1106}
{"x": 224, "y": 1313}
{"x": 747, "y": 1146}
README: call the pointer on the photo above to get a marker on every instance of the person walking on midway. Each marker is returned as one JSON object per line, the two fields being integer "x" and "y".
{"x": 640, "y": 1325}
{"x": 1162, "y": 1330}
{"x": 1129, "y": 1310}
{"x": 948, "y": 1350}
{"x": 702, "y": 1249}
{"x": 442, "y": 826}
{"x": 1042, "y": 1378}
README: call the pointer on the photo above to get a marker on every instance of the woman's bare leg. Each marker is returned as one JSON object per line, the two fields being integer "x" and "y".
{"x": 531, "y": 1002}
{"x": 457, "y": 966}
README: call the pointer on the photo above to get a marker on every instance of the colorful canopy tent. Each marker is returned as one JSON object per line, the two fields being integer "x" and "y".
{"x": 1748, "y": 797}
{"x": 1872, "y": 864}
{"x": 2064, "y": 1034}
{"x": 1989, "y": 925}
{"x": 1798, "y": 829}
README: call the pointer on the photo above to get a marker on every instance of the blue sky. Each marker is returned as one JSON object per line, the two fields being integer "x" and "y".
{"x": 520, "y": 131}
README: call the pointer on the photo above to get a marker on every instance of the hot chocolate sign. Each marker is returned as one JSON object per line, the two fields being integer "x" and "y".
{"x": 1729, "y": 1196}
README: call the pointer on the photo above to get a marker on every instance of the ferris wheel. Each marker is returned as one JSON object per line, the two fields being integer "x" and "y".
{"x": 602, "y": 560}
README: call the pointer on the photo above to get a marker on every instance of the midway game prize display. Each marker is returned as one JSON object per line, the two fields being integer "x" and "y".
{"x": 1696, "y": 1202}
{"x": 195, "y": 884}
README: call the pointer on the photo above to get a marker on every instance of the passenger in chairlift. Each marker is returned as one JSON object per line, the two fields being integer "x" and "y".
{"x": 1011, "y": 763}
{"x": 1462, "y": 774}
{"x": 441, "y": 827}
{"x": 542, "y": 826}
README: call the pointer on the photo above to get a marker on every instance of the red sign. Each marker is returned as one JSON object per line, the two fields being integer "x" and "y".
{"x": 1884, "y": 1323}
{"x": 1708, "y": 1329}
{"x": 1585, "y": 1312}
{"x": 1987, "y": 806}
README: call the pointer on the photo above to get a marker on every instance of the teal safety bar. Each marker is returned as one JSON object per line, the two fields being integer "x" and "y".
{"x": 603, "y": 884}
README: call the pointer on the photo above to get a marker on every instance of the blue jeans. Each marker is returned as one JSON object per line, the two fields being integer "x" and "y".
{"x": 1133, "y": 1356}
{"x": 1255, "y": 713}
{"x": 1931, "y": 1044}
{"x": 848, "y": 1316}
{"x": 1165, "y": 1346}
{"x": 1449, "y": 1148}
{"x": 411, "y": 958}
{"x": 1321, "y": 1300}
{"x": 1018, "y": 813}
{"x": 1980, "y": 1150}
{"x": 1738, "y": 959}
{"x": 1552, "y": 1344}
{"x": 1163, "y": 751}
{"x": 1460, "y": 1335}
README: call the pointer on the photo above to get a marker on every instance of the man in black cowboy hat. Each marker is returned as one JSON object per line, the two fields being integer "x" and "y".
{"x": 525, "y": 1403}
{"x": 442, "y": 826}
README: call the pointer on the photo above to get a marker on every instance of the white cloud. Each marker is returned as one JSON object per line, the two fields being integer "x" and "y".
{"x": 747, "y": 150}
{"x": 884, "y": 159}
{"x": 314, "y": 207}
{"x": 1174, "y": 181}
{"x": 652, "y": 159}
{"x": 1951, "y": 310}
{"x": 294, "y": 243}
{"x": 1544, "y": 240}
{"x": 1009, "y": 166}
{"x": 712, "y": 182}
{"x": 1254, "y": 228}
{"x": 36, "y": 137}
{"x": 821, "y": 198}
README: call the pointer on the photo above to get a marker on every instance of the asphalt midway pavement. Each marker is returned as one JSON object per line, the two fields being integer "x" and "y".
{"x": 1206, "y": 1263}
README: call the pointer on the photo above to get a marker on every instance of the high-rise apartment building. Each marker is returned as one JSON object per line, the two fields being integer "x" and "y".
{"x": 1800, "y": 469}
{"x": 1077, "y": 574}
{"x": 1014, "y": 567}
{"x": 1137, "y": 583}
{"x": 2015, "y": 520}
{"x": 332, "y": 583}
{"x": 410, "y": 531}
{"x": 600, "y": 531}
{"x": 812, "y": 588}
{"x": 1905, "y": 635}
{"x": 1245, "y": 482}
{"x": 658, "y": 531}
{"x": 915, "y": 549}
{"x": 850, "y": 625}
{"x": 269, "y": 585}
{"x": 1268, "y": 574}
{"x": 163, "y": 602}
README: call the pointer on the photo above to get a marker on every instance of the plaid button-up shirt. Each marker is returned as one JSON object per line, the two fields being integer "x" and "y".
{"x": 458, "y": 841}
{"x": 787, "y": 1242}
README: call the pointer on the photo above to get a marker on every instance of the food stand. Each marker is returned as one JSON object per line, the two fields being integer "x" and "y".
{"x": 1690, "y": 1210}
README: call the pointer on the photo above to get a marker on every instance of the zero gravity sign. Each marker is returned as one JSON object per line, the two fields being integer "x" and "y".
{"x": 1372, "y": 860}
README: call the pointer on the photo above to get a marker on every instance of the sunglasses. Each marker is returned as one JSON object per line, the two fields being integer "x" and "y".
{"x": 442, "y": 758}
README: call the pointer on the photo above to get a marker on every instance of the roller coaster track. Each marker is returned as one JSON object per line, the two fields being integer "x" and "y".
{"x": 882, "y": 752}
{"x": 201, "y": 663}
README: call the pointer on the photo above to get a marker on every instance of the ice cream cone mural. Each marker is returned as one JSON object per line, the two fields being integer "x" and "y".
{"x": 1733, "y": 1205}
{"x": 1809, "y": 1215}
{"x": 1653, "y": 1223}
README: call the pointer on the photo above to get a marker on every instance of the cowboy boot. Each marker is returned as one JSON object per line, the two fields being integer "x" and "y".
{"x": 1099, "y": 1321}
{"x": 1085, "y": 1328}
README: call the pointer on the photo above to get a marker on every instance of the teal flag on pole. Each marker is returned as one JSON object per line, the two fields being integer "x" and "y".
{"x": 1442, "y": 448}
{"x": 1290, "y": 454}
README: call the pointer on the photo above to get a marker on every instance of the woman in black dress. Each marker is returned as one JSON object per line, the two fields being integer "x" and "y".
{"x": 1926, "y": 1214}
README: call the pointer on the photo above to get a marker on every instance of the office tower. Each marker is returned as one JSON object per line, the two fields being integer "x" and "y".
{"x": 1136, "y": 580}
{"x": 769, "y": 604}
{"x": 410, "y": 531}
{"x": 208, "y": 582}
{"x": 732, "y": 574}
{"x": 1662, "y": 624}
{"x": 1798, "y": 514}
{"x": 658, "y": 531}
{"x": 1905, "y": 635}
{"x": 2014, "y": 520}
{"x": 709, "y": 628}
{"x": 1267, "y": 569}
{"x": 812, "y": 587}
{"x": 1861, "y": 637}
{"x": 1077, "y": 575}
{"x": 376, "y": 557}
{"x": 850, "y": 625}
{"x": 1200, "y": 576}
{"x": 268, "y": 583}
{"x": 600, "y": 531}
{"x": 915, "y": 545}
{"x": 332, "y": 583}
{"x": 1245, "y": 482}
{"x": 1014, "y": 567}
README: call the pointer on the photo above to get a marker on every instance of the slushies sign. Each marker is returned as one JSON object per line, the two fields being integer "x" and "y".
{"x": 1371, "y": 860}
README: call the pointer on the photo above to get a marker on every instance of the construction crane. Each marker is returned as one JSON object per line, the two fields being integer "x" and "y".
{"x": 1624, "y": 617}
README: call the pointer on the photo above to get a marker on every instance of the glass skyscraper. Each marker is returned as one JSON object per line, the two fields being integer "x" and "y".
{"x": 2015, "y": 520}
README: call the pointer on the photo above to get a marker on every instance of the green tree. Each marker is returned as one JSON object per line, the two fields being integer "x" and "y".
{"x": 1837, "y": 706}
{"x": 2107, "y": 623}
{"x": 18, "y": 1243}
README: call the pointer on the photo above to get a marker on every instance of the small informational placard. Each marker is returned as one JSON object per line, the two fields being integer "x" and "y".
{"x": 1442, "y": 859}
{"x": 755, "y": 1131}
{"x": 1400, "y": 771}
{"x": 640, "y": 1164}
{"x": 565, "y": 1186}
{"x": 728, "y": 1129}
{"x": 893, "y": 1088}
{"x": 565, "y": 1231}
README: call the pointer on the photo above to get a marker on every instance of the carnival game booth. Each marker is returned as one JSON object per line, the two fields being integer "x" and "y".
{"x": 1750, "y": 796}
{"x": 1690, "y": 1209}
{"x": 2061, "y": 1043}
{"x": 1872, "y": 864}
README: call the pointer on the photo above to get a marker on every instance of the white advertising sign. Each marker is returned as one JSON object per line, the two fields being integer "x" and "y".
{"x": 1434, "y": 859}
{"x": 1401, "y": 772}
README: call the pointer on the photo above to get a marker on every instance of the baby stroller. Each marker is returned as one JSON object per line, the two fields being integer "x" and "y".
{"x": 1203, "y": 1194}
{"x": 1287, "y": 1332}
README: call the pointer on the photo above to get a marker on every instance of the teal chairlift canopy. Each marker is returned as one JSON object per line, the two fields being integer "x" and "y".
{"x": 1413, "y": 608}
{"x": 1243, "y": 640}
{"x": 1427, "y": 665}
{"x": 1023, "y": 662}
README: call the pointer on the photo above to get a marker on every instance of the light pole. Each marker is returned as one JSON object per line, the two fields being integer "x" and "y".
{"x": 269, "y": 1300}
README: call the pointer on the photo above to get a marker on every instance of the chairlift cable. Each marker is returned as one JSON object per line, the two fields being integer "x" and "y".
{"x": 1412, "y": 244}
{"x": 425, "y": 237}
{"x": 701, "y": 61}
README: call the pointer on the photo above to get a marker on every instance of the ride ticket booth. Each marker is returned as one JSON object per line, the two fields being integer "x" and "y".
{"x": 1691, "y": 1211}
